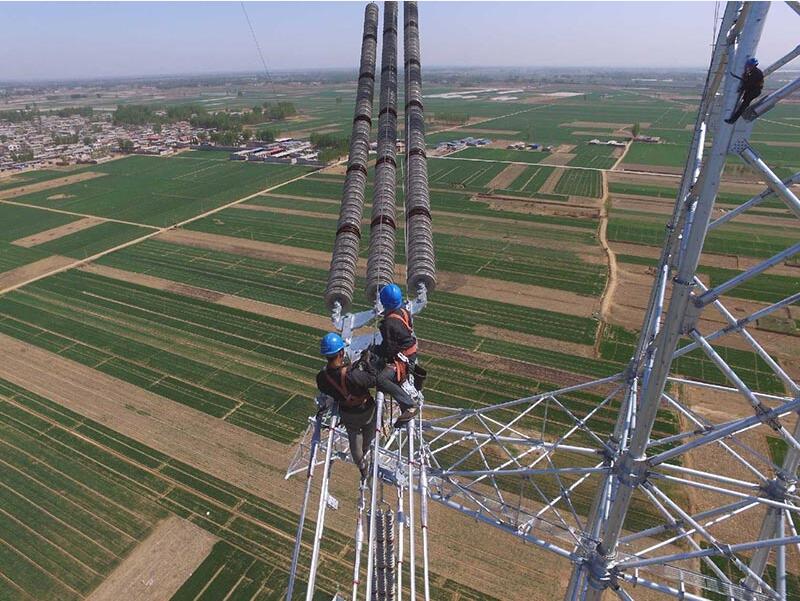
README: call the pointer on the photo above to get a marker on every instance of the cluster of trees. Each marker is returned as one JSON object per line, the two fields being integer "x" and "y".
{"x": 331, "y": 146}
{"x": 267, "y": 134}
{"x": 19, "y": 115}
{"x": 66, "y": 139}
{"x": 33, "y": 113}
{"x": 83, "y": 111}
{"x": 125, "y": 145}
{"x": 135, "y": 114}
{"x": 22, "y": 155}
{"x": 230, "y": 128}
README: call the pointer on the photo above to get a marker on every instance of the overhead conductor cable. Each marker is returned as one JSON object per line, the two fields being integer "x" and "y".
{"x": 380, "y": 262}
{"x": 420, "y": 257}
{"x": 342, "y": 274}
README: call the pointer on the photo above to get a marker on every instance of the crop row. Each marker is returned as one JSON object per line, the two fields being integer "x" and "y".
{"x": 752, "y": 241}
{"x": 450, "y": 320}
{"x": 522, "y": 230}
{"x": 531, "y": 179}
{"x": 593, "y": 155}
{"x": 159, "y": 191}
{"x": 462, "y": 174}
{"x": 580, "y": 182}
{"x": 491, "y": 258}
{"x": 175, "y": 347}
{"x": 302, "y": 288}
{"x": 454, "y": 202}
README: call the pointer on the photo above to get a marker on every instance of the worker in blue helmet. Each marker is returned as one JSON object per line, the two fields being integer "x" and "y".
{"x": 398, "y": 354}
{"x": 349, "y": 385}
{"x": 752, "y": 83}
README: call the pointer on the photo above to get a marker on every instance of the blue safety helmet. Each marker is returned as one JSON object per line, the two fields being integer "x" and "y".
{"x": 751, "y": 62}
{"x": 331, "y": 344}
{"x": 391, "y": 296}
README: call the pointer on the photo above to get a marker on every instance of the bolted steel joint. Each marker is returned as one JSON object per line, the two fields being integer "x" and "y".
{"x": 600, "y": 577}
{"x": 631, "y": 472}
{"x": 777, "y": 488}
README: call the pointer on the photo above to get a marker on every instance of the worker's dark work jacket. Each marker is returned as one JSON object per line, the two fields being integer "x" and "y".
{"x": 349, "y": 385}
{"x": 397, "y": 336}
{"x": 752, "y": 81}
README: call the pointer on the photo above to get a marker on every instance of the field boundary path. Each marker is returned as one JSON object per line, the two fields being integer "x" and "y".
{"x": 149, "y": 235}
{"x": 622, "y": 156}
{"x": 602, "y": 236}
{"x": 159, "y": 565}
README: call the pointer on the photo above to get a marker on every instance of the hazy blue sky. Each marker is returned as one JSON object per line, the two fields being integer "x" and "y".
{"x": 43, "y": 40}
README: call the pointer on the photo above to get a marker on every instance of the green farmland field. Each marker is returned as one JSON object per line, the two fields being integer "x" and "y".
{"x": 580, "y": 182}
{"x": 595, "y": 156}
{"x": 668, "y": 155}
{"x": 752, "y": 241}
{"x": 33, "y": 177}
{"x": 93, "y": 240}
{"x": 490, "y": 258}
{"x": 92, "y": 494}
{"x": 451, "y": 202}
{"x": 12, "y": 256}
{"x": 470, "y": 175}
{"x": 501, "y": 154}
{"x": 531, "y": 179}
{"x": 20, "y": 222}
{"x": 162, "y": 191}
{"x": 461, "y": 215}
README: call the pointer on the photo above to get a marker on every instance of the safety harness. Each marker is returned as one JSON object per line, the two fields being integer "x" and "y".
{"x": 401, "y": 361}
{"x": 351, "y": 401}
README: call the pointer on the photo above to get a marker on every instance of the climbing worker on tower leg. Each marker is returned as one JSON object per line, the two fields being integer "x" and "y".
{"x": 398, "y": 350}
{"x": 752, "y": 83}
{"x": 349, "y": 385}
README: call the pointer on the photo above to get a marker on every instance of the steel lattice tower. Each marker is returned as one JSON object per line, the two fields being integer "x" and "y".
{"x": 507, "y": 466}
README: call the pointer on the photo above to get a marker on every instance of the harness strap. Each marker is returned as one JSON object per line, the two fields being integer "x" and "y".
{"x": 351, "y": 400}
{"x": 405, "y": 317}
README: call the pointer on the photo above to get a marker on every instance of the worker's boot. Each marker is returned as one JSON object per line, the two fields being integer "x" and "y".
{"x": 406, "y": 416}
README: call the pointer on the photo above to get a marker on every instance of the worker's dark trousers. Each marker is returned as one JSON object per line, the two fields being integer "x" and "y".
{"x": 360, "y": 434}
{"x": 388, "y": 384}
{"x": 747, "y": 98}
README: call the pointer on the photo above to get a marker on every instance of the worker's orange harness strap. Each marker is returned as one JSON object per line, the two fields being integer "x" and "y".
{"x": 400, "y": 366}
{"x": 405, "y": 317}
{"x": 350, "y": 400}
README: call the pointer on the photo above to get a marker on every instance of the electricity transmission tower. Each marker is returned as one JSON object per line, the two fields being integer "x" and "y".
{"x": 632, "y": 478}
